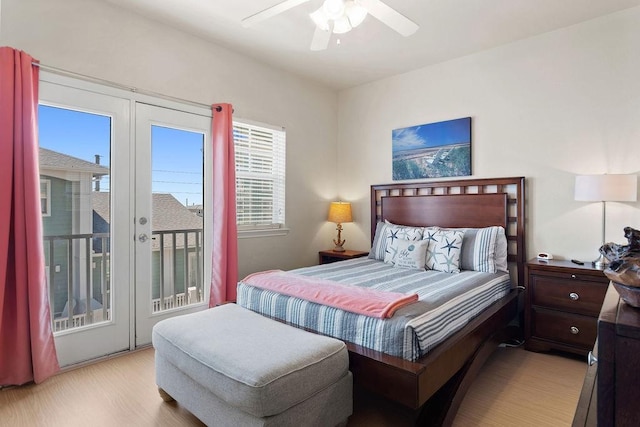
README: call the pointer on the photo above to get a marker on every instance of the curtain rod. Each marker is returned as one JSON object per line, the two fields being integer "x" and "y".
{"x": 118, "y": 85}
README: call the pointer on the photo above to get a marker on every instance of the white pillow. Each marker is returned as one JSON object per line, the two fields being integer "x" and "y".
{"x": 443, "y": 253}
{"x": 428, "y": 233}
{"x": 411, "y": 254}
{"x": 387, "y": 235}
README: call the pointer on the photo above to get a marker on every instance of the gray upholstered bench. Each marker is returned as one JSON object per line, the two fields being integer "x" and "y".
{"x": 232, "y": 367}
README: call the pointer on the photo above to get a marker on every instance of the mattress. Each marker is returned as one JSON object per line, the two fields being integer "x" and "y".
{"x": 446, "y": 303}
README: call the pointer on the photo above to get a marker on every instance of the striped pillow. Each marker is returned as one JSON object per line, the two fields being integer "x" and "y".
{"x": 479, "y": 249}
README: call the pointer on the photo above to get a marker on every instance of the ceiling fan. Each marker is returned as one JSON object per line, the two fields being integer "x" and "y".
{"x": 340, "y": 16}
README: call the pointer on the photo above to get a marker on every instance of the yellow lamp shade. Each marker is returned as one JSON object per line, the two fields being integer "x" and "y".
{"x": 340, "y": 212}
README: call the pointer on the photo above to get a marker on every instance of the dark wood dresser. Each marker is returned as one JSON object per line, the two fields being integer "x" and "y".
{"x": 611, "y": 392}
{"x": 562, "y": 302}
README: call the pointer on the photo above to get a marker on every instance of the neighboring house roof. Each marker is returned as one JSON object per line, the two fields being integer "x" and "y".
{"x": 100, "y": 205}
{"x": 53, "y": 160}
{"x": 168, "y": 214}
{"x": 196, "y": 209}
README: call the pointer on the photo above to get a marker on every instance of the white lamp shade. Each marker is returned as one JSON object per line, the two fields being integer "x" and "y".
{"x": 344, "y": 15}
{"x": 341, "y": 25}
{"x": 355, "y": 13}
{"x": 606, "y": 188}
{"x": 319, "y": 18}
{"x": 333, "y": 9}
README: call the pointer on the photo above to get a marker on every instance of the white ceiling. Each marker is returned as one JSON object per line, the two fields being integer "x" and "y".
{"x": 448, "y": 29}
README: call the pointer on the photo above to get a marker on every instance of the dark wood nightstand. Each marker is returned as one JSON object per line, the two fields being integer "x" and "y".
{"x": 328, "y": 256}
{"x": 562, "y": 304}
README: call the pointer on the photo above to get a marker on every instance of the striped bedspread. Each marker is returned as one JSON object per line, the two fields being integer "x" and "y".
{"x": 446, "y": 303}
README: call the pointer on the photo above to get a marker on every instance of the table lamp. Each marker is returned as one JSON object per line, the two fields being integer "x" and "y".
{"x": 606, "y": 188}
{"x": 339, "y": 212}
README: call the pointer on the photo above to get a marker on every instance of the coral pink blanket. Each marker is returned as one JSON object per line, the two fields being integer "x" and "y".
{"x": 369, "y": 302}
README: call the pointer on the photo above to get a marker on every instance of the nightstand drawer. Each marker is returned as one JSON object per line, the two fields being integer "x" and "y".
{"x": 572, "y": 329}
{"x": 580, "y": 275}
{"x": 576, "y": 296}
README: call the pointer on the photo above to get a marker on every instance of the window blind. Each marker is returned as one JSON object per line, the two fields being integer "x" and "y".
{"x": 260, "y": 176}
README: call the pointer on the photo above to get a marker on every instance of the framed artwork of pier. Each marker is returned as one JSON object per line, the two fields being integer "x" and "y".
{"x": 434, "y": 150}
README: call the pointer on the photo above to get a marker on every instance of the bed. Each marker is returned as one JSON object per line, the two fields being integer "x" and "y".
{"x": 432, "y": 380}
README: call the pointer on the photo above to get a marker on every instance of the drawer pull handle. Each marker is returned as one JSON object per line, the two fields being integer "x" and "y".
{"x": 575, "y": 330}
{"x": 573, "y": 276}
{"x": 574, "y": 296}
{"x": 591, "y": 359}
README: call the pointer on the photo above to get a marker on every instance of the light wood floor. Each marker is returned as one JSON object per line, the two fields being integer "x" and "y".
{"x": 515, "y": 388}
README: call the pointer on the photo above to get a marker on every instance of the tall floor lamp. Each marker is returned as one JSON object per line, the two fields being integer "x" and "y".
{"x": 606, "y": 188}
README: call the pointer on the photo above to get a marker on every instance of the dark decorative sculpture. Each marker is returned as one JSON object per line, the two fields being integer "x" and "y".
{"x": 624, "y": 267}
{"x": 614, "y": 252}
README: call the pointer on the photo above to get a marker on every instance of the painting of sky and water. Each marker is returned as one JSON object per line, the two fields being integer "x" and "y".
{"x": 433, "y": 150}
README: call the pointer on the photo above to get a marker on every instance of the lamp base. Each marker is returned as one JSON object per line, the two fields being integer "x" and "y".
{"x": 338, "y": 242}
{"x": 601, "y": 263}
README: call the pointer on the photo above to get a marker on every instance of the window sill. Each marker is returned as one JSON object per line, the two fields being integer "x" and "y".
{"x": 266, "y": 232}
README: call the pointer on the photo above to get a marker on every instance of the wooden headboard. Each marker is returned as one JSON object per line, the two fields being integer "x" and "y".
{"x": 460, "y": 203}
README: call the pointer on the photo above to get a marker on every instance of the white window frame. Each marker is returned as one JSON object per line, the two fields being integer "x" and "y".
{"x": 261, "y": 140}
{"x": 47, "y": 207}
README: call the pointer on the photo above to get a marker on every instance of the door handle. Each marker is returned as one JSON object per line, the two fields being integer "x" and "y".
{"x": 143, "y": 238}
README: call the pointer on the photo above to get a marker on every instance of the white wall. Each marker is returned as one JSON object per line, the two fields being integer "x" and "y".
{"x": 547, "y": 108}
{"x": 100, "y": 40}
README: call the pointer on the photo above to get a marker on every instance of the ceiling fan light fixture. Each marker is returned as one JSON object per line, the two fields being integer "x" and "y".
{"x": 341, "y": 25}
{"x": 333, "y": 9}
{"x": 355, "y": 13}
{"x": 320, "y": 19}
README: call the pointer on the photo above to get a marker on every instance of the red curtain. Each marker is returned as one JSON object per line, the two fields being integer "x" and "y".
{"x": 27, "y": 349}
{"x": 224, "y": 274}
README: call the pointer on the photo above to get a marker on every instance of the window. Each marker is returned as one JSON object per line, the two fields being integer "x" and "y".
{"x": 260, "y": 176}
{"x": 45, "y": 197}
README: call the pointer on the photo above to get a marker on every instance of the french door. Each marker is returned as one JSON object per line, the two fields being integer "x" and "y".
{"x": 171, "y": 148}
{"x": 123, "y": 193}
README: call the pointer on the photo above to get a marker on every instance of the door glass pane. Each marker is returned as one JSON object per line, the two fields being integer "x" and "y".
{"x": 177, "y": 217}
{"x": 75, "y": 195}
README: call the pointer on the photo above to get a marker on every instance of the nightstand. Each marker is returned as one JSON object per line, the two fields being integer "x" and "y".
{"x": 562, "y": 304}
{"x": 328, "y": 256}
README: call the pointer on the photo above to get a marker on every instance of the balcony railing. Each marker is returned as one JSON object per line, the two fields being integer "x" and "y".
{"x": 184, "y": 267}
{"x": 78, "y": 273}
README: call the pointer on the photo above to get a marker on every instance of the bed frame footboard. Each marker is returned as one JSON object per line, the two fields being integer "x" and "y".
{"x": 434, "y": 386}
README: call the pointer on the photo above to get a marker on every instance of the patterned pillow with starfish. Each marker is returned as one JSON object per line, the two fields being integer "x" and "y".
{"x": 443, "y": 252}
{"x": 394, "y": 234}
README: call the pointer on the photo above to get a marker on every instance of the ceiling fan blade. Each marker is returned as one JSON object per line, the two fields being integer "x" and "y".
{"x": 390, "y": 17}
{"x": 320, "y": 39}
{"x": 271, "y": 11}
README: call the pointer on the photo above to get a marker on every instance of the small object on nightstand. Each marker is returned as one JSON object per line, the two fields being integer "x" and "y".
{"x": 329, "y": 256}
{"x": 544, "y": 256}
{"x": 575, "y": 261}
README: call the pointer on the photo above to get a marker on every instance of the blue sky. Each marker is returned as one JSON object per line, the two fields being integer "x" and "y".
{"x": 432, "y": 135}
{"x": 176, "y": 154}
